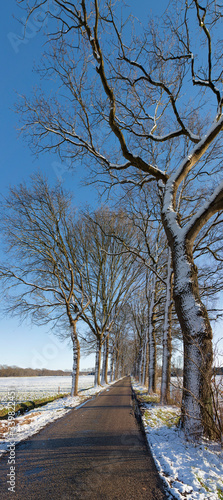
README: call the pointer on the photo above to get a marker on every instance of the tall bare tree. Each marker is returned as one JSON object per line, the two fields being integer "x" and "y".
{"x": 130, "y": 96}
{"x": 122, "y": 349}
{"x": 41, "y": 275}
{"x": 149, "y": 245}
{"x": 109, "y": 276}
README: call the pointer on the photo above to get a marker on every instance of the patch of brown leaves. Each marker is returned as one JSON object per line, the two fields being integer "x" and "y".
{"x": 25, "y": 420}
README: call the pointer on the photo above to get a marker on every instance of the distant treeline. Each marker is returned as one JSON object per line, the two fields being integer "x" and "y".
{"x": 178, "y": 372}
{"x": 16, "y": 371}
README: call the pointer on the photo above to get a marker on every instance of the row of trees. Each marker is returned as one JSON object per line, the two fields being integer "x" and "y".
{"x": 106, "y": 269}
{"x": 109, "y": 270}
{"x": 17, "y": 371}
{"x": 63, "y": 268}
{"x": 139, "y": 109}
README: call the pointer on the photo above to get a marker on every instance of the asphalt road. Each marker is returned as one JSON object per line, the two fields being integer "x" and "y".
{"x": 96, "y": 452}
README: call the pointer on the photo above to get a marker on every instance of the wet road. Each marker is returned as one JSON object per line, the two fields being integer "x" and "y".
{"x": 94, "y": 452}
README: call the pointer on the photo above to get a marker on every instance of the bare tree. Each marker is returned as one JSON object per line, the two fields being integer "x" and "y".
{"x": 108, "y": 275}
{"x": 165, "y": 85}
{"x": 149, "y": 245}
{"x": 41, "y": 277}
{"x": 167, "y": 335}
{"x": 139, "y": 324}
{"x": 122, "y": 349}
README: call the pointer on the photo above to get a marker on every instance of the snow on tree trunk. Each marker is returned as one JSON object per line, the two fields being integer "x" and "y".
{"x": 147, "y": 362}
{"x": 145, "y": 358}
{"x": 116, "y": 363}
{"x": 106, "y": 359}
{"x": 197, "y": 405}
{"x": 104, "y": 378}
{"x": 152, "y": 340}
{"x": 114, "y": 369}
{"x": 76, "y": 362}
{"x": 98, "y": 362}
{"x": 103, "y": 365}
{"x": 140, "y": 363}
{"x": 197, "y": 412}
{"x": 167, "y": 341}
{"x": 96, "y": 369}
{"x": 112, "y": 364}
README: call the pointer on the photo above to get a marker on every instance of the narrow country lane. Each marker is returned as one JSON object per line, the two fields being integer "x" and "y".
{"x": 96, "y": 452}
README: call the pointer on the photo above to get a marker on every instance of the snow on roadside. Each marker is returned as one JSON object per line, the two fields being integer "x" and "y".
{"x": 192, "y": 472}
{"x": 31, "y": 422}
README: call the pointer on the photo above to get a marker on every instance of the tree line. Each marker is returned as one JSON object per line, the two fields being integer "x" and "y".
{"x": 143, "y": 111}
{"x": 109, "y": 270}
{"x": 17, "y": 371}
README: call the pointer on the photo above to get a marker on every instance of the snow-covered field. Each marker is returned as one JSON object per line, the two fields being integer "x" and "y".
{"x": 29, "y": 388}
{"x": 192, "y": 472}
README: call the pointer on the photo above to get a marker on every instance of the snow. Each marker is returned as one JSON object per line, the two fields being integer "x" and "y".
{"x": 190, "y": 471}
{"x": 176, "y": 177}
{"x": 35, "y": 387}
{"x": 204, "y": 208}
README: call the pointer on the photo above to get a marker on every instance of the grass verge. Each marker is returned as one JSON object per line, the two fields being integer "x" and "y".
{"x": 22, "y": 408}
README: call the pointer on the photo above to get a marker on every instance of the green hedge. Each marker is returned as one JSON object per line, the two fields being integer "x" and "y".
{"x": 22, "y": 408}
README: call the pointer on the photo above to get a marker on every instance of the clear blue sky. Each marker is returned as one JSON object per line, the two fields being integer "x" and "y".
{"x": 25, "y": 345}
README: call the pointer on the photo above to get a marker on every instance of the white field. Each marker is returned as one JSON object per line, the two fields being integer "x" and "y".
{"x": 29, "y": 388}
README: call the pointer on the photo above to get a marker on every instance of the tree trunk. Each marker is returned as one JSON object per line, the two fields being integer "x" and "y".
{"x": 122, "y": 366}
{"x": 139, "y": 361}
{"x": 147, "y": 364}
{"x": 116, "y": 363}
{"x": 152, "y": 363}
{"x": 103, "y": 365}
{"x": 152, "y": 341}
{"x": 105, "y": 361}
{"x": 197, "y": 409}
{"x": 145, "y": 359}
{"x": 167, "y": 337}
{"x": 114, "y": 370}
{"x": 112, "y": 360}
{"x": 98, "y": 362}
{"x": 76, "y": 361}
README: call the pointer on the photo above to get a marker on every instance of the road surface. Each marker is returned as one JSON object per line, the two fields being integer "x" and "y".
{"x": 96, "y": 452}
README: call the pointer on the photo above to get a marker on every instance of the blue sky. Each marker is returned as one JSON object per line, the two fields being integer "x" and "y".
{"x": 26, "y": 345}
